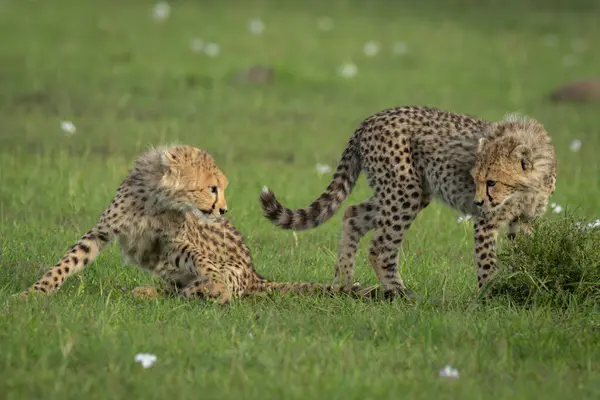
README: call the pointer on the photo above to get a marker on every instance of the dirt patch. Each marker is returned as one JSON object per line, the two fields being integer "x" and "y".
{"x": 580, "y": 91}
{"x": 256, "y": 74}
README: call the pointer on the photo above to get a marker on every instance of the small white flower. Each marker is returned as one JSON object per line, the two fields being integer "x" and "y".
{"x": 325, "y": 23}
{"x": 161, "y": 11}
{"x": 591, "y": 225}
{"x": 371, "y": 48}
{"x": 556, "y": 208}
{"x": 68, "y": 127}
{"x": 569, "y": 60}
{"x": 147, "y": 360}
{"x": 550, "y": 40}
{"x": 196, "y": 45}
{"x": 449, "y": 372}
{"x": 348, "y": 70}
{"x": 463, "y": 218}
{"x": 323, "y": 169}
{"x": 576, "y": 145}
{"x": 399, "y": 48}
{"x": 256, "y": 26}
{"x": 212, "y": 49}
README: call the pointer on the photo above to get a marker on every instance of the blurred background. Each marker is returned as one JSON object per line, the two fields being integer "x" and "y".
{"x": 273, "y": 89}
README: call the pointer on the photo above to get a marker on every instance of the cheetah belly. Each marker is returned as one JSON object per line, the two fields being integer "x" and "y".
{"x": 143, "y": 250}
{"x": 146, "y": 251}
{"x": 455, "y": 188}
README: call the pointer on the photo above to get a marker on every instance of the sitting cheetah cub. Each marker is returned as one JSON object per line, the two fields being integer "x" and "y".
{"x": 167, "y": 219}
{"x": 496, "y": 171}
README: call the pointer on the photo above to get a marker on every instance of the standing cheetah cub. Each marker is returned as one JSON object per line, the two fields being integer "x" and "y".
{"x": 167, "y": 219}
{"x": 497, "y": 171}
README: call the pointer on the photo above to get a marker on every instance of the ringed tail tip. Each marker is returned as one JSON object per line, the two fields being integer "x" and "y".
{"x": 269, "y": 204}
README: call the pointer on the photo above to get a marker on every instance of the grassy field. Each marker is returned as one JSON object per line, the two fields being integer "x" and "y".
{"x": 127, "y": 81}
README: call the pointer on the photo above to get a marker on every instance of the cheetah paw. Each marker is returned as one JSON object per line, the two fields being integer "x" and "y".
{"x": 145, "y": 292}
{"x": 27, "y": 294}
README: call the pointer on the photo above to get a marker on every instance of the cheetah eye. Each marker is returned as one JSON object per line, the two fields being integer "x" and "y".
{"x": 491, "y": 183}
{"x": 213, "y": 189}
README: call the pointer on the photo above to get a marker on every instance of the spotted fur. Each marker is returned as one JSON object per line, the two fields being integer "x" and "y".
{"x": 166, "y": 217}
{"x": 413, "y": 154}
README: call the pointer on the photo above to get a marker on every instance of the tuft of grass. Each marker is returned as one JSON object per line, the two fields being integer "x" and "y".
{"x": 558, "y": 265}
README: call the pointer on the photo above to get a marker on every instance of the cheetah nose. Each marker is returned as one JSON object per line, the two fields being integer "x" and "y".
{"x": 478, "y": 203}
{"x": 222, "y": 211}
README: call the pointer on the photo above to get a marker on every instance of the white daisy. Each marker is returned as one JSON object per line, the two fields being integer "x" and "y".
{"x": 371, "y": 48}
{"x": 68, "y": 127}
{"x": 348, "y": 70}
{"x": 256, "y": 26}
{"x": 323, "y": 169}
{"x": 161, "y": 11}
{"x": 449, "y": 372}
{"x": 575, "y": 145}
{"x": 147, "y": 360}
{"x": 212, "y": 49}
{"x": 463, "y": 218}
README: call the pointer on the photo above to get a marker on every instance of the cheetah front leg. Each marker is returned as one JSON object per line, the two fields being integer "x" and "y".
{"x": 387, "y": 239}
{"x": 357, "y": 221}
{"x": 486, "y": 232}
{"x": 81, "y": 254}
{"x": 513, "y": 228}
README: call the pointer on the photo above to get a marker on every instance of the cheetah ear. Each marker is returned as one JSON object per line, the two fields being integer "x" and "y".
{"x": 166, "y": 160}
{"x": 480, "y": 144}
{"x": 522, "y": 154}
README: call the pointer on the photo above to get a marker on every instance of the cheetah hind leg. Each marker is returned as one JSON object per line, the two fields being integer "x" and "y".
{"x": 357, "y": 221}
{"x": 383, "y": 258}
{"x": 387, "y": 238}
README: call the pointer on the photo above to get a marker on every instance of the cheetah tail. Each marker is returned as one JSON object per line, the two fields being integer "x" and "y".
{"x": 268, "y": 287}
{"x": 326, "y": 205}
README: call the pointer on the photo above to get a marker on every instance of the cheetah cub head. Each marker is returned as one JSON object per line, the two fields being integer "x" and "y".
{"x": 190, "y": 181}
{"x": 514, "y": 160}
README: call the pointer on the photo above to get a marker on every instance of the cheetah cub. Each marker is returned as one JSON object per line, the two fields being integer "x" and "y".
{"x": 166, "y": 217}
{"x": 496, "y": 171}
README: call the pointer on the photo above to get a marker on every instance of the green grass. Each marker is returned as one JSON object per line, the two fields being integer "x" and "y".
{"x": 558, "y": 265}
{"x": 128, "y": 82}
